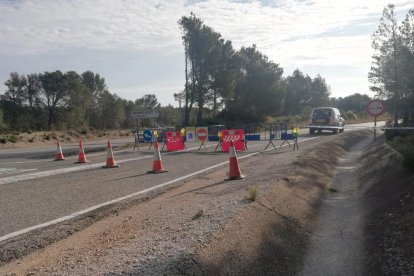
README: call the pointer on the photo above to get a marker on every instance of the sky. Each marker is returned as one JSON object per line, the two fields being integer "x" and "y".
{"x": 136, "y": 44}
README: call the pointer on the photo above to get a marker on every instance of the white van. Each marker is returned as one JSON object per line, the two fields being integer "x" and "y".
{"x": 326, "y": 118}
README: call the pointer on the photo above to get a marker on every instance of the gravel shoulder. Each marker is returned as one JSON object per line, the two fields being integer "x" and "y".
{"x": 203, "y": 226}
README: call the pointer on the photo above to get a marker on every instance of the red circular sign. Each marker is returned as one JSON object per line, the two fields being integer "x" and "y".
{"x": 375, "y": 107}
{"x": 201, "y": 134}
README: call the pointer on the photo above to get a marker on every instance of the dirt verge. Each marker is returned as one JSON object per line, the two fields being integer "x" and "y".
{"x": 389, "y": 204}
{"x": 47, "y": 138}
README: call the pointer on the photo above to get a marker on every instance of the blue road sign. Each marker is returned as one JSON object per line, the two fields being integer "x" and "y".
{"x": 147, "y": 136}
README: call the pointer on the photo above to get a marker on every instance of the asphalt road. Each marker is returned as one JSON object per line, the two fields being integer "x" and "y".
{"x": 35, "y": 190}
{"x": 50, "y": 152}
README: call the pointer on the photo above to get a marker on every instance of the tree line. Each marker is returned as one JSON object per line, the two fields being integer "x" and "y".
{"x": 237, "y": 87}
{"x": 392, "y": 70}
{"x": 57, "y": 100}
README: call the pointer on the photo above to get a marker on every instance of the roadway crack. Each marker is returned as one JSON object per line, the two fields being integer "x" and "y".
{"x": 273, "y": 210}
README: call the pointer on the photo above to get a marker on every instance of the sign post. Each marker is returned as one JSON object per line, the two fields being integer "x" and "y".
{"x": 375, "y": 108}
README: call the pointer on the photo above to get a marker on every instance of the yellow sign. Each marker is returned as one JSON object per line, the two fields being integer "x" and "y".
{"x": 296, "y": 132}
{"x": 220, "y": 134}
{"x": 155, "y": 133}
{"x": 182, "y": 132}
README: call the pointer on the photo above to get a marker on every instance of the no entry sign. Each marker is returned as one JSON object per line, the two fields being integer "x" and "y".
{"x": 375, "y": 107}
{"x": 201, "y": 133}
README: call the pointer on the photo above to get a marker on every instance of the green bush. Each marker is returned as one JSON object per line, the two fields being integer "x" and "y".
{"x": 351, "y": 116}
{"x": 405, "y": 146}
{"x": 253, "y": 193}
{"x": 13, "y": 138}
{"x": 3, "y": 140}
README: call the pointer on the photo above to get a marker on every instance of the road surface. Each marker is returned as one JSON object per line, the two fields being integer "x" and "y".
{"x": 35, "y": 190}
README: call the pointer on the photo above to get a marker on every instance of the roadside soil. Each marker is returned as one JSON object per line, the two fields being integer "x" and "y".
{"x": 260, "y": 225}
{"x": 46, "y": 138}
{"x": 388, "y": 197}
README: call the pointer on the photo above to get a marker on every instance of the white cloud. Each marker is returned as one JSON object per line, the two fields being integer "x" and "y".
{"x": 342, "y": 87}
{"x": 165, "y": 94}
{"x": 292, "y": 33}
{"x": 55, "y": 24}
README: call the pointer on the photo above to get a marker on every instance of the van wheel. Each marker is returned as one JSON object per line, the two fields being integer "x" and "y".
{"x": 341, "y": 130}
{"x": 335, "y": 131}
{"x": 311, "y": 131}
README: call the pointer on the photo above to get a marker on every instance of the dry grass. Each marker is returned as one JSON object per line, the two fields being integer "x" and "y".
{"x": 253, "y": 193}
{"x": 32, "y": 139}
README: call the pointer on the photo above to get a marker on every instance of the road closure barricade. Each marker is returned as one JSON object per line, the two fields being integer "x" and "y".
{"x": 236, "y": 136}
{"x": 213, "y": 132}
{"x": 202, "y": 134}
{"x": 190, "y": 134}
{"x": 266, "y": 132}
{"x": 276, "y": 130}
{"x": 174, "y": 141}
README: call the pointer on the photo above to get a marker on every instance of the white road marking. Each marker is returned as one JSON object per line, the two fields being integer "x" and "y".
{"x": 26, "y": 162}
{"x": 7, "y": 171}
{"x": 84, "y": 211}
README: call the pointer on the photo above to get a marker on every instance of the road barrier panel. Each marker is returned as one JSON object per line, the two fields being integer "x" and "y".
{"x": 174, "y": 141}
{"x": 213, "y": 132}
{"x": 235, "y": 136}
{"x": 190, "y": 134}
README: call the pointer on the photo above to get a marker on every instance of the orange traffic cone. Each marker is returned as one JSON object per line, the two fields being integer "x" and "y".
{"x": 82, "y": 155}
{"x": 59, "y": 153}
{"x": 110, "y": 161}
{"x": 157, "y": 164}
{"x": 234, "y": 170}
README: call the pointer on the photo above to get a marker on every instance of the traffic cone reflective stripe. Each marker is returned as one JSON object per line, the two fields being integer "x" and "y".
{"x": 110, "y": 161}
{"x": 59, "y": 153}
{"x": 157, "y": 166}
{"x": 82, "y": 156}
{"x": 234, "y": 170}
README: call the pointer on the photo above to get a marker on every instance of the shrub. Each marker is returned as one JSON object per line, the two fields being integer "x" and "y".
{"x": 405, "y": 145}
{"x": 13, "y": 138}
{"x": 3, "y": 140}
{"x": 253, "y": 193}
{"x": 351, "y": 116}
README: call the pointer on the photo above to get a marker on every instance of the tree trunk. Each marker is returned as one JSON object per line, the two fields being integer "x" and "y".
{"x": 49, "y": 124}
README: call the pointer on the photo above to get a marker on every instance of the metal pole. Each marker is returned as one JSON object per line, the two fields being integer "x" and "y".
{"x": 375, "y": 128}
